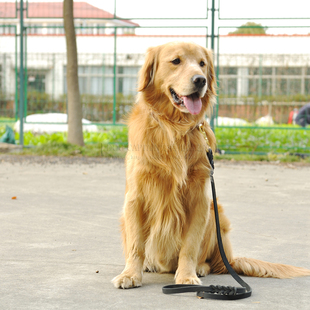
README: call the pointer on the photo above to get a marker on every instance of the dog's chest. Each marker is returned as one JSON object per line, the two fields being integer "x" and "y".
{"x": 190, "y": 157}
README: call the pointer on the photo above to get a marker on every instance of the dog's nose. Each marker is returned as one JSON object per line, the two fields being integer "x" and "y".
{"x": 199, "y": 81}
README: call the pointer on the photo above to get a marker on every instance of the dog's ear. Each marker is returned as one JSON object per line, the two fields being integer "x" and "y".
{"x": 147, "y": 72}
{"x": 211, "y": 73}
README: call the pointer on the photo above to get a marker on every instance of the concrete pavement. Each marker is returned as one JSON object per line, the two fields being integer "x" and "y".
{"x": 61, "y": 246}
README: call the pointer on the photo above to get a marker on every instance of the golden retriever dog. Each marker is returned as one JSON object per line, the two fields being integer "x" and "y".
{"x": 168, "y": 218}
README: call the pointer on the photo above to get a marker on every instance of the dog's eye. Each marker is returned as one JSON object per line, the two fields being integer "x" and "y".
{"x": 202, "y": 64}
{"x": 176, "y": 61}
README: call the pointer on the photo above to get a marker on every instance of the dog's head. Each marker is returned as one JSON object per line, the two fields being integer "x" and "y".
{"x": 178, "y": 76}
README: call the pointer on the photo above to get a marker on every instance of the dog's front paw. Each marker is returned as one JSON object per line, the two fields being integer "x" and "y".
{"x": 187, "y": 280}
{"x": 203, "y": 269}
{"x": 125, "y": 280}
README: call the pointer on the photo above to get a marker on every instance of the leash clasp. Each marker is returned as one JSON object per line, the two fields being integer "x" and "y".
{"x": 209, "y": 150}
{"x": 200, "y": 127}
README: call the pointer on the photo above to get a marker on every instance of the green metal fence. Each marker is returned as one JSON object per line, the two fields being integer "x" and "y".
{"x": 253, "y": 84}
{"x": 265, "y": 87}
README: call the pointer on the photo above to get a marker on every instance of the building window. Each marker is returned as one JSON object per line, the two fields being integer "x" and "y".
{"x": 55, "y": 29}
{"x": 99, "y": 29}
{"x": 99, "y": 80}
{"x": 1, "y": 90}
{"x": 288, "y": 80}
{"x": 288, "y": 71}
{"x": 128, "y": 30}
{"x": 307, "y": 86}
{"x": 36, "y": 81}
{"x": 260, "y": 81}
{"x": 228, "y": 80}
{"x": 34, "y": 28}
{"x": 7, "y": 29}
{"x": 127, "y": 80}
{"x": 263, "y": 81}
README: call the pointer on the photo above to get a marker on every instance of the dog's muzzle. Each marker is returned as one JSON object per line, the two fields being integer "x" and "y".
{"x": 199, "y": 81}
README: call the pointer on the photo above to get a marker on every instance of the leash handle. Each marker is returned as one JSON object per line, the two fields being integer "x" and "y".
{"x": 214, "y": 291}
{"x": 210, "y": 292}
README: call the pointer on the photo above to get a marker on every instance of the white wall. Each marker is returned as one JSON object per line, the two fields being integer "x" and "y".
{"x": 139, "y": 44}
{"x": 264, "y": 45}
{"x": 233, "y": 51}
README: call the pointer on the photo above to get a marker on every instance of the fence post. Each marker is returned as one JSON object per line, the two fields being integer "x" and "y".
{"x": 114, "y": 78}
{"x": 16, "y": 76}
{"x": 260, "y": 81}
{"x": 25, "y": 69}
{"x": 21, "y": 75}
{"x": 114, "y": 68}
{"x": 212, "y": 47}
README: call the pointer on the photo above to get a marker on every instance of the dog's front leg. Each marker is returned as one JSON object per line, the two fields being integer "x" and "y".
{"x": 199, "y": 206}
{"x": 134, "y": 245}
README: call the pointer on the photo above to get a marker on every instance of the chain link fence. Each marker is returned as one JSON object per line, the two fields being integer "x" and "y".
{"x": 257, "y": 79}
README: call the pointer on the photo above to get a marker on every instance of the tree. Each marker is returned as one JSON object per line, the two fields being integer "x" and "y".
{"x": 75, "y": 128}
{"x": 250, "y": 28}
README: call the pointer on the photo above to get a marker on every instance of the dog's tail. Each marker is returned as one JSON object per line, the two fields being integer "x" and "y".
{"x": 257, "y": 268}
{"x": 242, "y": 265}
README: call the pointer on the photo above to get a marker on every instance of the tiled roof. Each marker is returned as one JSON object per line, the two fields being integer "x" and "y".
{"x": 7, "y": 10}
{"x": 55, "y": 9}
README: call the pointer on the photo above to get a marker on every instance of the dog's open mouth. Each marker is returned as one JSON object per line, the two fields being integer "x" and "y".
{"x": 191, "y": 102}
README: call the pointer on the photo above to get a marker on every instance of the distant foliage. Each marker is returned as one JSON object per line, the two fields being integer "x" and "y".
{"x": 250, "y": 28}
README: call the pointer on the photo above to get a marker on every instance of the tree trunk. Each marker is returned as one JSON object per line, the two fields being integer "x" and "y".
{"x": 75, "y": 129}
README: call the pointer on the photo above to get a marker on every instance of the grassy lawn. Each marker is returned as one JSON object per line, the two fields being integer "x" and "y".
{"x": 285, "y": 144}
{"x": 279, "y": 139}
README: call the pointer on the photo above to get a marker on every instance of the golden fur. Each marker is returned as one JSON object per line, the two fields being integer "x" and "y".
{"x": 168, "y": 222}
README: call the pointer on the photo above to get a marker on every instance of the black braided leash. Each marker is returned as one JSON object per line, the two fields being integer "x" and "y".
{"x": 214, "y": 291}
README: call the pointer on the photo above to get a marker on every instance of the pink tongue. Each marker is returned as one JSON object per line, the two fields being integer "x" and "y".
{"x": 193, "y": 104}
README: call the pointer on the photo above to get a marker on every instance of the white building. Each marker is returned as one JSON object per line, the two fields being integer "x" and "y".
{"x": 249, "y": 65}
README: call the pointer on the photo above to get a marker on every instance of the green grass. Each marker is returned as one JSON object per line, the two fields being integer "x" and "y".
{"x": 118, "y": 136}
{"x": 238, "y": 143}
{"x": 66, "y": 149}
{"x": 258, "y": 140}
{"x": 105, "y": 143}
{"x": 7, "y": 119}
{"x": 117, "y": 151}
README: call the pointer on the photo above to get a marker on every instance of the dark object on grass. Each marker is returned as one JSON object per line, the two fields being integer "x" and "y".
{"x": 303, "y": 116}
{"x": 8, "y": 136}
